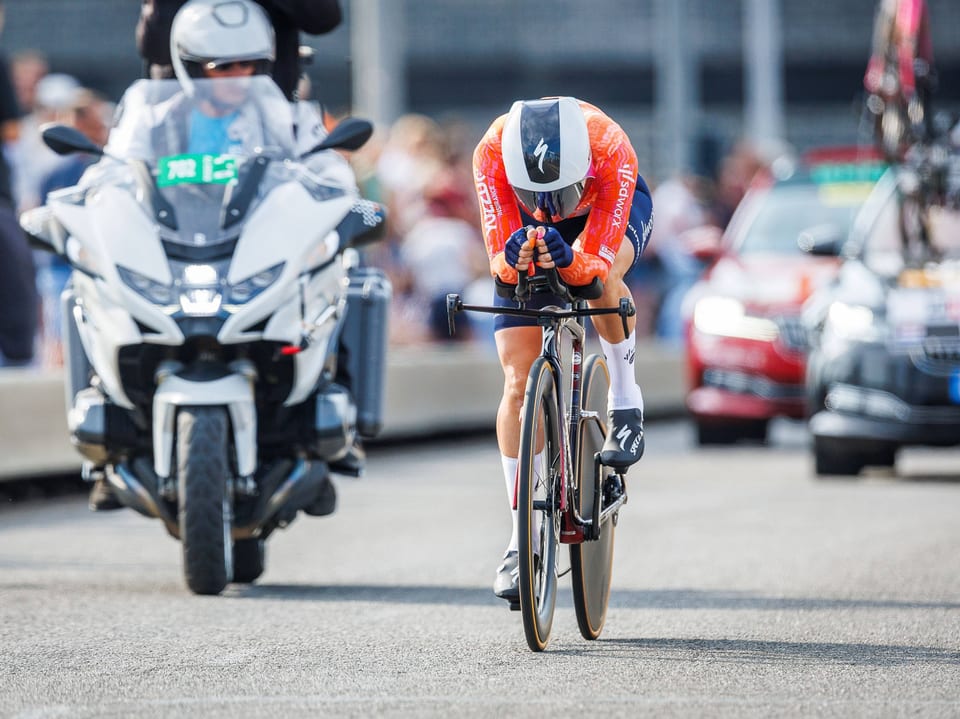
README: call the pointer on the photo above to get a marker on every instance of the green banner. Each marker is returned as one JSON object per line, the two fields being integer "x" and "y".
{"x": 196, "y": 170}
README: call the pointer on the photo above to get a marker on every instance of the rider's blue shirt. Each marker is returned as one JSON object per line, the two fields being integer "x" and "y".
{"x": 211, "y": 135}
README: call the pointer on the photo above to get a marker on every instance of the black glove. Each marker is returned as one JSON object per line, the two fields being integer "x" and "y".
{"x": 558, "y": 248}
{"x": 511, "y": 250}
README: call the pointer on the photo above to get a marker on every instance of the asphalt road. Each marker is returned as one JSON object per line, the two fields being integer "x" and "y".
{"x": 743, "y": 586}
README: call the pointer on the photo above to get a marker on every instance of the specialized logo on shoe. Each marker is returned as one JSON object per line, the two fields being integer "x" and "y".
{"x": 622, "y": 434}
{"x": 631, "y": 353}
{"x": 636, "y": 444}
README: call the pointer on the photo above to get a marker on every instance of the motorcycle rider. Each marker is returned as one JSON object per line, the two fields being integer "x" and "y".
{"x": 561, "y": 168}
{"x": 213, "y": 40}
{"x": 288, "y": 18}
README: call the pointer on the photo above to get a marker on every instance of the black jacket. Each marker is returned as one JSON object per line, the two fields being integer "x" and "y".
{"x": 289, "y": 18}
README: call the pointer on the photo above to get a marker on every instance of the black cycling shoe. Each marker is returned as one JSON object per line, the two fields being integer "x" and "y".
{"x": 352, "y": 463}
{"x": 624, "y": 445}
{"x": 102, "y": 497}
{"x": 507, "y": 584}
{"x": 325, "y": 502}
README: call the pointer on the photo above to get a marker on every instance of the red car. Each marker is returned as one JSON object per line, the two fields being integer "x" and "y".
{"x": 745, "y": 347}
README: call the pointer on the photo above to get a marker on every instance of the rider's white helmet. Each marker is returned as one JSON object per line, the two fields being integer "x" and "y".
{"x": 207, "y": 34}
{"x": 546, "y": 155}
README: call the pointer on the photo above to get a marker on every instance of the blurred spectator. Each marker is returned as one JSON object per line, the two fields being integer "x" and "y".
{"x": 32, "y": 160}
{"x": 28, "y": 68}
{"x": 413, "y": 151}
{"x": 18, "y": 298}
{"x": 737, "y": 171}
{"x": 443, "y": 253}
{"x": 681, "y": 204}
{"x": 91, "y": 114}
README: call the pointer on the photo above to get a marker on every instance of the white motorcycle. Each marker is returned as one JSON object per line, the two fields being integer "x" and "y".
{"x": 208, "y": 298}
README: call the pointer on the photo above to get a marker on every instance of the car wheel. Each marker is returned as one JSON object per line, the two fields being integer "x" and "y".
{"x": 831, "y": 458}
{"x": 883, "y": 455}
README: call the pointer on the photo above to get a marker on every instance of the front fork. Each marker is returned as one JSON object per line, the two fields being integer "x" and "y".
{"x": 234, "y": 391}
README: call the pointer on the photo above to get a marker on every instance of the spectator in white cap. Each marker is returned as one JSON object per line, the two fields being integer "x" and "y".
{"x": 56, "y": 94}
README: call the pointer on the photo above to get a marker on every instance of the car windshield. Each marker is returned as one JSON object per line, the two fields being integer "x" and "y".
{"x": 786, "y": 210}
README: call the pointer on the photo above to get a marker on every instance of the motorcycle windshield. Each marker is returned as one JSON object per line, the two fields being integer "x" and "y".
{"x": 200, "y": 146}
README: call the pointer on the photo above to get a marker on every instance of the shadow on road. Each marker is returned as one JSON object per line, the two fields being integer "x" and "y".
{"x": 623, "y": 599}
{"x": 703, "y": 599}
{"x": 755, "y": 651}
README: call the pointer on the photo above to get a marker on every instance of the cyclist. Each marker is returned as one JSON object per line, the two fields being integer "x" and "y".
{"x": 901, "y": 72}
{"x": 561, "y": 168}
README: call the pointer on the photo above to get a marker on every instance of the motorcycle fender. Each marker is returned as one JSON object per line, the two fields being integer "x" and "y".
{"x": 233, "y": 391}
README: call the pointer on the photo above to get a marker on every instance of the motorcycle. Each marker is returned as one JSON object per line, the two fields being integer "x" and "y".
{"x": 208, "y": 299}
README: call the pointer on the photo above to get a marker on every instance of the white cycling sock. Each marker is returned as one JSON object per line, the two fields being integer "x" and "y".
{"x": 509, "y": 465}
{"x": 624, "y": 391}
{"x": 510, "y": 479}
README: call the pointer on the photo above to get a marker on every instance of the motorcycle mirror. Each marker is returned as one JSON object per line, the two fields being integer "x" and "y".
{"x": 65, "y": 140}
{"x": 349, "y": 134}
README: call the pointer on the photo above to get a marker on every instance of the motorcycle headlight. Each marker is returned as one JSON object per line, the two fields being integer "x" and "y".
{"x": 155, "y": 292}
{"x": 247, "y": 289}
{"x": 728, "y": 317}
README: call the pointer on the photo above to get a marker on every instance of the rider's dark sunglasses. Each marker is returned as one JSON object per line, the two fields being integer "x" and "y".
{"x": 229, "y": 66}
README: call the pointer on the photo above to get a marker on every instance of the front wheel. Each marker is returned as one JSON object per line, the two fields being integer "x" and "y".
{"x": 203, "y": 471}
{"x": 540, "y": 467}
{"x": 591, "y": 562}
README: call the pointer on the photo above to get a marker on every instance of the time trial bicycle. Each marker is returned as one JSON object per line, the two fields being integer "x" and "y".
{"x": 564, "y": 494}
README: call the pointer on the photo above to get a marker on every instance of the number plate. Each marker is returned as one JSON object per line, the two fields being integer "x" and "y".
{"x": 196, "y": 170}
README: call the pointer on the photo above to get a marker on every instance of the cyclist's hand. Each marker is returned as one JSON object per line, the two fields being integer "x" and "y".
{"x": 517, "y": 252}
{"x": 553, "y": 248}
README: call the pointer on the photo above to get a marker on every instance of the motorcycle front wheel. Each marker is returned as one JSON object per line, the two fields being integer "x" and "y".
{"x": 204, "y": 513}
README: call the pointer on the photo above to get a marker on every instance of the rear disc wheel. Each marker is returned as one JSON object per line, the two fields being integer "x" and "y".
{"x": 591, "y": 562}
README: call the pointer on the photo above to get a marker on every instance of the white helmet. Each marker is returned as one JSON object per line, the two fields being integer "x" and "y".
{"x": 212, "y": 33}
{"x": 546, "y": 155}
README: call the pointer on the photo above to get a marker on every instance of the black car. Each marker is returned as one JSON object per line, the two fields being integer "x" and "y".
{"x": 884, "y": 366}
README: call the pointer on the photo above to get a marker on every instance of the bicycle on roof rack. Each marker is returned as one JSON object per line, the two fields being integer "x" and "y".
{"x": 564, "y": 494}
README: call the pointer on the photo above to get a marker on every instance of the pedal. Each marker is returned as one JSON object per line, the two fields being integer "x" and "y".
{"x": 614, "y": 487}
{"x": 514, "y": 606}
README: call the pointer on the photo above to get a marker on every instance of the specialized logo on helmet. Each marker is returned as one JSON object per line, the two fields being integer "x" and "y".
{"x": 540, "y": 152}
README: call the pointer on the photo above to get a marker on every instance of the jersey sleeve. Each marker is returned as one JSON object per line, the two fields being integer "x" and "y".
{"x": 499, "y": 214}
{"x": 615, "y": 180}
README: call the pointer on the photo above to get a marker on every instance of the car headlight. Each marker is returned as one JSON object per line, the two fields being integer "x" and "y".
{"x": 155, "y": 292}
{"x": 247, "y": 289}
{"x": 853, "y": 322}
{"x": 728, "y": 317}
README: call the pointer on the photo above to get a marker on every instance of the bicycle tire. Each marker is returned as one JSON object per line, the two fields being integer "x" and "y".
{"x": 591, "y": 561}
{"x": 538, "y": 503}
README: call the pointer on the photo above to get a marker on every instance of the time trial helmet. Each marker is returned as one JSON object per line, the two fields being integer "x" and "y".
{"x": 546, "y": 155}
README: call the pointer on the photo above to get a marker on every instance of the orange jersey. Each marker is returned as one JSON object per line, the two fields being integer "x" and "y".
{"x": 607, "y": 200}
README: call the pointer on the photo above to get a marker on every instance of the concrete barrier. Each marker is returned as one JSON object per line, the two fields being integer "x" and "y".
{"x": 429, "y": 390}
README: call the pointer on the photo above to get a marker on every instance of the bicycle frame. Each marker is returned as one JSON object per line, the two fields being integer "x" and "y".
{"x": 555, "y": 322}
